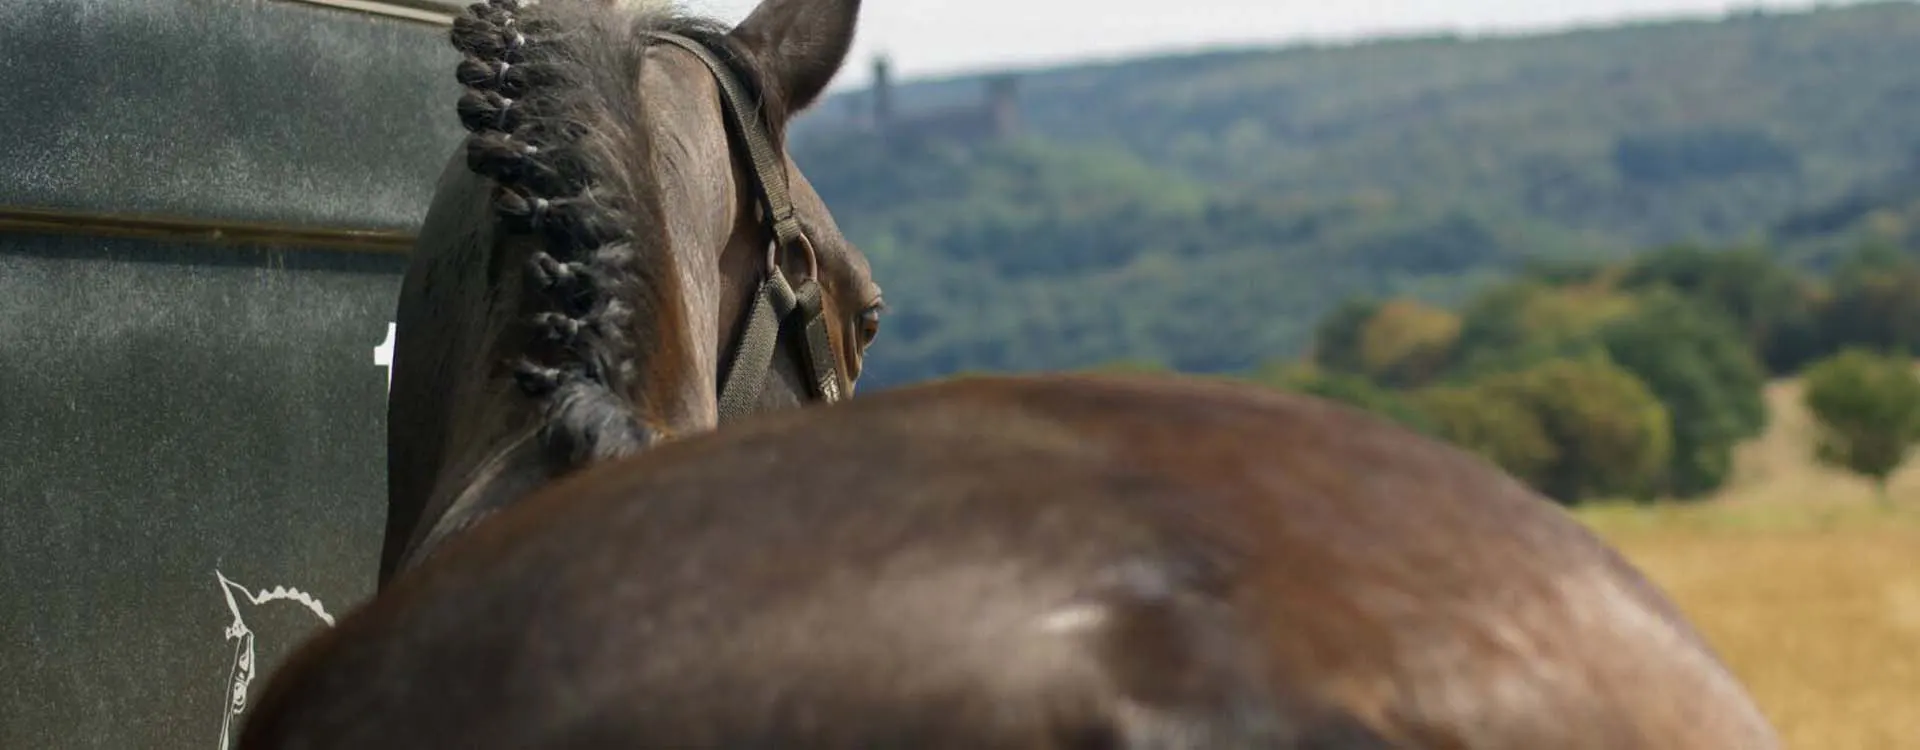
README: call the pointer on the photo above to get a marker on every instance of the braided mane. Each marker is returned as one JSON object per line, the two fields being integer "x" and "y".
{"x": 552, "y": 108}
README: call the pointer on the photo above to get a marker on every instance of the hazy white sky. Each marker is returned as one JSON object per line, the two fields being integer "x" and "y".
{"x": 929, "y": 37}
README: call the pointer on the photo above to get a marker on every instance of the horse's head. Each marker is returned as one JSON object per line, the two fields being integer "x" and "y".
{"x": 718, "y": 191}
{"x": 639, "y": 256}
{"x": 645, "y": 153}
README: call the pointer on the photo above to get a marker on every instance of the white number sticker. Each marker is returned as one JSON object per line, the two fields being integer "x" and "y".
{"x": 383, "y": 357}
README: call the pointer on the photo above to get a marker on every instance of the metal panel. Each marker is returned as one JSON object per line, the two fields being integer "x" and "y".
{"x": 174, "y": 413}
{"x": 193, "y": 428}
{"x": 242, "y": 110}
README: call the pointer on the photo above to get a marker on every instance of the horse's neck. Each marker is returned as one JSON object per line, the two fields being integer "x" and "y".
{"x": 505, "y": 475}
{"x": 453, "y": 415}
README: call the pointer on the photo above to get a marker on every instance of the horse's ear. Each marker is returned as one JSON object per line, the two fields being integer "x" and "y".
{"x": 799, "y": 45}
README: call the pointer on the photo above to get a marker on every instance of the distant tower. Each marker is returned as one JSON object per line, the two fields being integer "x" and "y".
{"x": 1003, "y": 104}
{"x": 882, "y": 93}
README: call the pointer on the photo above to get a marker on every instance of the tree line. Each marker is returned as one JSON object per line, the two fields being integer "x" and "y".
{"x": 1637, "y": 378}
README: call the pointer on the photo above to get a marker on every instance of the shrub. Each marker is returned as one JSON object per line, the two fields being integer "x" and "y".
{"x": 1352, "y": 390}
{"x": 1406, "y": 343}
{"x": 1611, "y": 433}
{"x": 1697, "y": 363}
{"x": 1499, "y": 430}
{"x": 1868, "y": 407}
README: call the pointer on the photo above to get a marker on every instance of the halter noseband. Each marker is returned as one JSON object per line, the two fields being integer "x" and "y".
{"x": 778, "y": 305}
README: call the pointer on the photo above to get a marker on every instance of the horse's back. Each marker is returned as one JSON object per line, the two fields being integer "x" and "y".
{"x": 1030, "y": 562}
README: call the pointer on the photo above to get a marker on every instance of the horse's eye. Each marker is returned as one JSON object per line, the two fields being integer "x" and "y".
{"x": 870, "y": 323}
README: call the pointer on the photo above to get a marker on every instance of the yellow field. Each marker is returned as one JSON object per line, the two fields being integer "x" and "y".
{"x": 1805, "y": 582}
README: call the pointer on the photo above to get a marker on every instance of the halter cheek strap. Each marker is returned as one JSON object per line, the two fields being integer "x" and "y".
{"x": 777, "y": 302}
{"x": 778, "y": 307}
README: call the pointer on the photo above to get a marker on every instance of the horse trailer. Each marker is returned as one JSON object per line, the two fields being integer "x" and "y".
{"x": 206, "y": 213}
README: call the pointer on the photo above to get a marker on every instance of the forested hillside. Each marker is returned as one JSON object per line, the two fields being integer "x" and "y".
{"x": 1202, "y": 211}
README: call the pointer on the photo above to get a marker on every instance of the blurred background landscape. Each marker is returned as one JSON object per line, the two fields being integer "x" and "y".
{"x": 1204, "y": 211}
{"x": 1660, "y": 270}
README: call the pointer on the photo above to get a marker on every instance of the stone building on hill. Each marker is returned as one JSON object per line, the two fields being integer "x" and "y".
{"x": 995, "y": 117}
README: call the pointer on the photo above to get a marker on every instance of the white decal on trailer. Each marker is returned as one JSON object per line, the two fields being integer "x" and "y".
{"x": 240, "y": 675}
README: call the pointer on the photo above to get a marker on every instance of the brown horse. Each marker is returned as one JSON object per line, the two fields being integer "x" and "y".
{"x": 1040, "y": 562}
{"x": 596, "y": 247}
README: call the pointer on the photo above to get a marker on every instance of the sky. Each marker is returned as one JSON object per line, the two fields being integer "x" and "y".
{"x": 940, "y": 37}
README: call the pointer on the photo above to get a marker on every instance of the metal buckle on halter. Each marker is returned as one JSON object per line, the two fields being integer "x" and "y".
{"x": 808, "y": 313}
{"x": 787, "y": 225}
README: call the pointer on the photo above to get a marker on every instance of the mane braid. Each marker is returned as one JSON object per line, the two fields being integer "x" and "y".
{"x": 552, "y": 122}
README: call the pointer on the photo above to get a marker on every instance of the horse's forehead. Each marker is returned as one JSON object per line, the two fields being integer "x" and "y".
{"x": 684, "y": 115}
{"x": 676, "y": 86}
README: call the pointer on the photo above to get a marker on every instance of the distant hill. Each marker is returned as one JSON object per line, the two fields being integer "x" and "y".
{"x": 1884, "y": 212}
{"x": 1201, "y": 210}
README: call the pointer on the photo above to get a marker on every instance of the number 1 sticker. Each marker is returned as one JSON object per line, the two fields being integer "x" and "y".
{"x": 383, "y": 357}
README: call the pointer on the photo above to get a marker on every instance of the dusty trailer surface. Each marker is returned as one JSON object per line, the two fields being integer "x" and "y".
{"x": 205, "y": 207}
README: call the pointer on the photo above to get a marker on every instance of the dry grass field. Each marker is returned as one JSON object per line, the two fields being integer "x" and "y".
{"x": 1805, "y": 581}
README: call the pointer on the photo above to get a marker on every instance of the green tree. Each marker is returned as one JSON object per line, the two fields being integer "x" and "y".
{"x": 1695, "y": 361}
{"x": 1132, "y": 366}
{"x": 1611, "y": 433}
{"x": 1352, "y": 390}
{"x": 1499, "y": 430}
{"x": 1875, "y": 303}
{"x": 1521, "y": 325}
{"x": 1868, "y": 407}
{"x": 1337, "y": 338}
{"x": 1770, "y": 305}
{"x": 1406, "y": 343}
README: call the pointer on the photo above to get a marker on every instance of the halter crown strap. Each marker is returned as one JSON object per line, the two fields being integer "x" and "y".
{"x": 769, "y": 173}
{"x": 777, "y": 300}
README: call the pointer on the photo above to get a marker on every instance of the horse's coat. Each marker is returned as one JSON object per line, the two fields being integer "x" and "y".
{"x": 1024, "y": 563}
